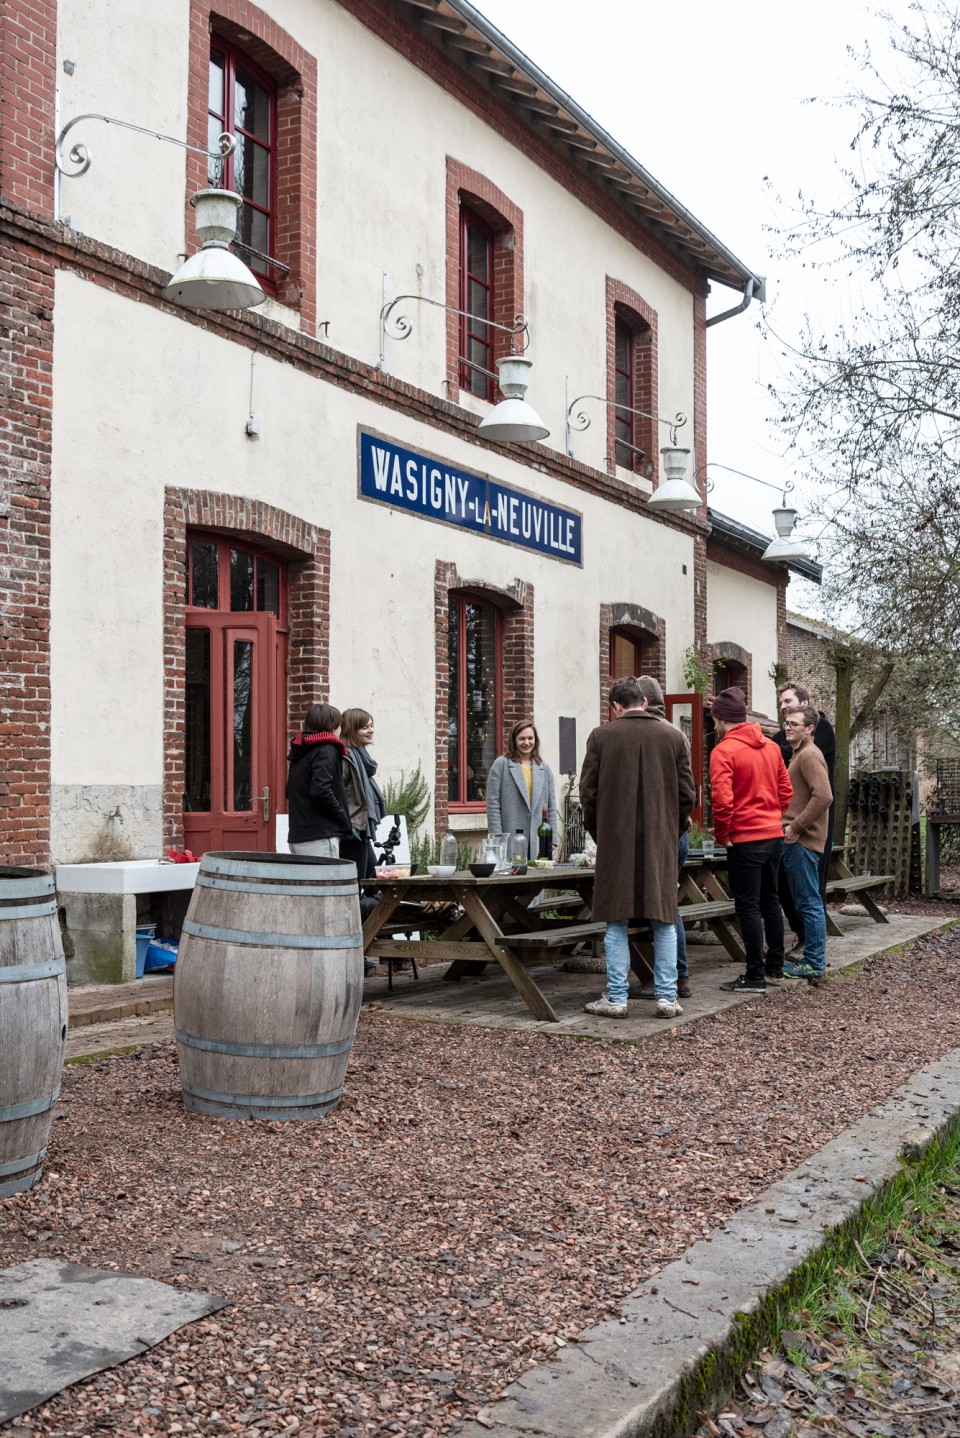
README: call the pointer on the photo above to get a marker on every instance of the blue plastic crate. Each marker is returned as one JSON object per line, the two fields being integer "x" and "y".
{"x": 161, "y": 954}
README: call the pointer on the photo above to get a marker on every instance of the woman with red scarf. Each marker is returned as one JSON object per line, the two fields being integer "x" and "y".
{"x": 316, "y": 799}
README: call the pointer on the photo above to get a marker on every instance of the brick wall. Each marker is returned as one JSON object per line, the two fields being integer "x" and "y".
{"x": 306, "y": 551}
{"x": 28, "y": 80}
{"x": 26, "y": 407}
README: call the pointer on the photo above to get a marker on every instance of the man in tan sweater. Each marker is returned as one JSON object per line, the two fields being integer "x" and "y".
{"x": 804, "y": 839}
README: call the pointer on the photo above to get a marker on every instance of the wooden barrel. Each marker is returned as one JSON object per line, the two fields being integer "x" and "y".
{"x": 268, "y": 984}
{"x": 33, "y": 1023}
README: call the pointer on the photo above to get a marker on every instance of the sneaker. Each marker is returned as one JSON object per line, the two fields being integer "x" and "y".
{"x": 742, "y": 985}
{"x": 773, "y": 973}
{"x": 646, "y": 994}
{"x": 792, "y": 955}
{"x": 605, "y": 1009}
{"x": 370, "y": 966}
{"x": 668, "y": 1009}
{"x": 802, "y": 971}
{"x": 683, "y": 989}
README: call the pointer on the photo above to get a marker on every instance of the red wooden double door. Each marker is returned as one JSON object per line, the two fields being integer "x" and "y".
{"x": 236, "y": 695}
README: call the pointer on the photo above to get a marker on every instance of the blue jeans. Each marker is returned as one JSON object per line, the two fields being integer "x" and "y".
{"x": 683, "y": 849}
{"x": 618, "y": 960}
{"x": 802, "y": 868}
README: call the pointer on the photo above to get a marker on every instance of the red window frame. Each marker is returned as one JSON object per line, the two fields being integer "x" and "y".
{"x": 457, "y": 616}
{"x": 626, "y": 394}
{"x": 226, "y": 120}
{"x": 224, "y": 544}
{"x": 639, "y": 642}
{"x": 472, "y": 327}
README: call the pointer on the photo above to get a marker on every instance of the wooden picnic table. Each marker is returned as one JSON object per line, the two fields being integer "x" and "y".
{"x": 486, "y": 921}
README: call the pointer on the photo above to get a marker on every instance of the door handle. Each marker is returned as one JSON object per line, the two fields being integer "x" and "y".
{"x": 265, "y": 801}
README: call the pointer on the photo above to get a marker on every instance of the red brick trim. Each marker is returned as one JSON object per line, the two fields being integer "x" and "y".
{"x": 306, "y": 551}
{"x": 26, "y": 392}
{"x": 718, "y": 553}
{"x": 294, "y": 71}
{"x": 393, "y": 24}
{"x": 28, "y": 84}
{"x": 640, "y": 624}
{"x": 739, "y": 664}
{"x": 516, "y": 604}
{"x": 100, "y": 264}
{"x": 626, "y": 304}
{"x": 470, "y": 188}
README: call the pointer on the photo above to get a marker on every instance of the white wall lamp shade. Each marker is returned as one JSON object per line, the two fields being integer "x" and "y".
{"x": 215, "y": 278}
{"x": 674, "y": 492}
{"x": 784, "y": 548}
{"x": 513, "y": 420}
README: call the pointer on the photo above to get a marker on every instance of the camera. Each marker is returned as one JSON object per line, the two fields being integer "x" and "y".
{"x": 390, "y": 842}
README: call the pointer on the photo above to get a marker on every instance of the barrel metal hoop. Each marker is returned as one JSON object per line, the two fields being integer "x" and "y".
{"x": 40, "y": 887}
{"x": 256, "y": 1100}
{"x": 237, "y": 869}
{"x": 24, "y": 973}
{"x": 21, "y": 1185}
{"x": 29, "y": 1161}
{"x": 28, "y": 911}
{"x": 32, "y": 1106}
{"x": 273, "y": 941}
{"x": 253, "y": 1106}
{"x": 308, "y": 889}
{"x": 264, "y": 1051}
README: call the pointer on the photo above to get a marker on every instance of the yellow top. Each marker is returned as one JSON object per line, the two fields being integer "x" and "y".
{"x": 527, "y": 768}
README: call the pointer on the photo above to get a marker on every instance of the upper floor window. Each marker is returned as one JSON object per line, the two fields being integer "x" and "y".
{"x": 243, "y": 100}
{"x": 477, "y": 299}
{"x": 474, "y": 702}
{"x": 628, "y": 454}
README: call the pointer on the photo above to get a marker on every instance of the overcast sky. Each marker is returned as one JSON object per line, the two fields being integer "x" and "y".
{"x": 711, "y": 99}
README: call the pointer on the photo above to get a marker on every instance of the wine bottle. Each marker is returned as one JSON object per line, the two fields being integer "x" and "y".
{"x": 545, "y": 835}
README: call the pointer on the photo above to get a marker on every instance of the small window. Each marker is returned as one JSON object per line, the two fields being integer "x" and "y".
{"x": 475, "y": 664}
{"x": 631, "y": 654}
{"x": 477, "y": 302}
{"x": 243, "y": 100}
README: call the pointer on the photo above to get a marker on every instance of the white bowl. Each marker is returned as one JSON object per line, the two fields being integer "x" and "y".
{"x": 442, "y": 871}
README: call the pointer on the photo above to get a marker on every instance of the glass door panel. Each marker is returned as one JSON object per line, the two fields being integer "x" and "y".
{"x": 686, "y": 712}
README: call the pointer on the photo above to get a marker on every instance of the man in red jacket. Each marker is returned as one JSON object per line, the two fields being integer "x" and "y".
{"x": 749, "y": 790}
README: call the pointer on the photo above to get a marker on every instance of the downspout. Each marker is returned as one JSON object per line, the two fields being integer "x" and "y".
{"x": 753, "y": 288}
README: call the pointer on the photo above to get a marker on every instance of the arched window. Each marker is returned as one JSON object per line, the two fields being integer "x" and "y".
{"x": 475, "y": 696}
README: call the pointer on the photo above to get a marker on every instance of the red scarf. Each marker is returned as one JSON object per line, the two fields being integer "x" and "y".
{"x": 321, "y": 738}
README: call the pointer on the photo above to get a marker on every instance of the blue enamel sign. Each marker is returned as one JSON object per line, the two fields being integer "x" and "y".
{"x": 420, "y": 484}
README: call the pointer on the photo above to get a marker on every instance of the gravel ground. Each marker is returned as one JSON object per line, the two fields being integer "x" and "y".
{"x": 479, "y": 1199}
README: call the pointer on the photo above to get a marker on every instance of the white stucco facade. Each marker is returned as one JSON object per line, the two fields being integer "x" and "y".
{"x": 150, "y": 406}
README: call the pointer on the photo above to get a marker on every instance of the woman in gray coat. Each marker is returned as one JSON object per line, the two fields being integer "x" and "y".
{"x": 519, "y": 785}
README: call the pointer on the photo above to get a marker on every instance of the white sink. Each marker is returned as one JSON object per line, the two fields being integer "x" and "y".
{"x": 128, "y": 876}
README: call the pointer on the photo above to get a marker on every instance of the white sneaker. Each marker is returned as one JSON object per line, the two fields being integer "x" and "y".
{"x": 668, "y": 1009}
{"x": 606, "y": 1009}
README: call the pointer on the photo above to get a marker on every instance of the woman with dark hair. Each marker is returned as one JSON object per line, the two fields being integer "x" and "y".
{"x": 365, "y": 802}
{"x": 519, "y": 785}
{"x": 316, "y": 799}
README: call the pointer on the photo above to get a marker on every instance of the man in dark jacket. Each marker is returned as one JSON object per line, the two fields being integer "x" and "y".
{"x": 791, "y": 697}
{"x": 636, "y": 791}
{"x": 319, "y": 815}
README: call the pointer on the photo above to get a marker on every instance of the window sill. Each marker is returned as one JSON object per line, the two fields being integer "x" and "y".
{"x": 467, "y": 820}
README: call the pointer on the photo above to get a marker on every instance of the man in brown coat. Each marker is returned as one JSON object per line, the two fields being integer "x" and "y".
{"x": 636, "y": 792}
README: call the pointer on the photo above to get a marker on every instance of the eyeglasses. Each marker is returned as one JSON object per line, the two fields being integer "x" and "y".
{"x": 794, "y": 724}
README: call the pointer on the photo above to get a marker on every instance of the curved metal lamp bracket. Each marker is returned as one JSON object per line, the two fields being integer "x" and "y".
{"x": 782, "y": 489}
{"x": 579, "y": 419}
{"x": 81, "y": 155}
{"x": 400, "y": 327}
